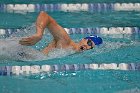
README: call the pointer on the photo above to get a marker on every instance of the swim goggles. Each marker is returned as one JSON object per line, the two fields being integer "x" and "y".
{"x": 89, "y": 43}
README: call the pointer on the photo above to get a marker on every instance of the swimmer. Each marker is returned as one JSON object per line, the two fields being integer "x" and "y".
{"x": 60, "y": 37}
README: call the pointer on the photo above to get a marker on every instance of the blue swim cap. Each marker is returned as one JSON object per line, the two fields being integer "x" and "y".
{"x": 96, "y": 39}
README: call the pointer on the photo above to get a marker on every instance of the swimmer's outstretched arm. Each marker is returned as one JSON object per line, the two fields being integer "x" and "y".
{"x": 43, "y": 21}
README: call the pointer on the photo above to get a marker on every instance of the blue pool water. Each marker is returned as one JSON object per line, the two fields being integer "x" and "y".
{"x": 86, "y": 19}
{"x": 117, "y": 48}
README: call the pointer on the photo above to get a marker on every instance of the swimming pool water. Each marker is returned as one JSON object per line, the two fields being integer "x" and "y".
{"x": 125, "y": 50}
{"x": 75, "y": 82}
{"x": 72, "y": 19}
{"x": 120, "y": 48}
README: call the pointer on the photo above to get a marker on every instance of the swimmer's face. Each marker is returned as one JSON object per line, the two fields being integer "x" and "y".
{"x": 86, "y": 44}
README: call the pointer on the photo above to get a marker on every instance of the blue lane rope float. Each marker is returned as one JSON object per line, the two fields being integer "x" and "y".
{"x": 100, "y": 7}
{"x": 102, "y": 30}
{"x": 2, "y": 7}
{"x": 71, "y": 7}
{"x": 35, "y": 69}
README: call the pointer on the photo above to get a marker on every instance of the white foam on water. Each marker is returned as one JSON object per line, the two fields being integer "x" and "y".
{"x": 135, "y": 90}
{"x": 27, "y": 31}
{"x": 109, "y": 46}
{"x": 58, "y": 53}
{"x": 24, "y": 32}
{"x": 11, "y": 50}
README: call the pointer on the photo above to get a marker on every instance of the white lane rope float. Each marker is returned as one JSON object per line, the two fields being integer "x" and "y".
{"x": 35, "y": 69}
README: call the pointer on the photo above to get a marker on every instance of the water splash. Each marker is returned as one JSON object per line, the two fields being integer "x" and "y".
{"x": 135, "y": 90}
{"x": 109, "y": 46}
{"x": 24, "y": 32}
{"x": 58, "y": 53}
{"x": 11, "y": 50}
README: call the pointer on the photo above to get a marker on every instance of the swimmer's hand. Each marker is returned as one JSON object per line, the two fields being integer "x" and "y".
{"x": 32, "y": 40}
